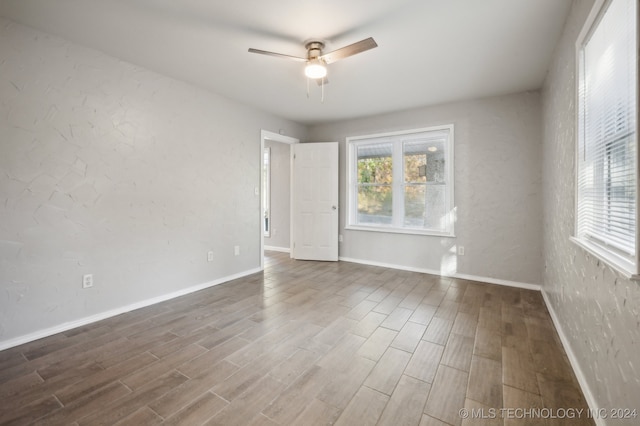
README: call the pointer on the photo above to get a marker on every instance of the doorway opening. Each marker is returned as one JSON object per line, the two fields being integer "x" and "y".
{"x": 266, "y": 191}
{"x": 275, "y": 200}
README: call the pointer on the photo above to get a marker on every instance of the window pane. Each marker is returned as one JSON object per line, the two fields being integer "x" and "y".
{"x": 375, "y": 164}
{"x": 399, "y": 182}
{"x": 424, "y": 162}
{"x": 424, "y": 207}
{"x": 606, "y": 209}
{"x": 374, "y": 204}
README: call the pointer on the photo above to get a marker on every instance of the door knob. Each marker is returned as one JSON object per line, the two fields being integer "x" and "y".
{"x": 334, "y": 208}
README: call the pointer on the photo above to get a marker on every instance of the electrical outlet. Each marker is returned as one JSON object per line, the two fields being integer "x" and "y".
{"x": 210, "y": 256}
{"x": 460, "y": 250}
{"x": 340, "y": 238}
{"x": 87, "y": 281}
{"x": 236, "y": 250}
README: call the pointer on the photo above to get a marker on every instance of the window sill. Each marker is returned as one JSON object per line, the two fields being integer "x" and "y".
{"x": 407, "y": 231}
{"x": 618, "y": 263}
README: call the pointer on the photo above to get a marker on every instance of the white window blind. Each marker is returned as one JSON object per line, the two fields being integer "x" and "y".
{"x": 607, "y": 139}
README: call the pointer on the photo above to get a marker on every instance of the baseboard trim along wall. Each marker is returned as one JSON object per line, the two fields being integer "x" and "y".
{"x": 582, "y": 380}
{"x": 516, "y": 284}
{"x": 280, "y": 249}
{"x": 108, "y": 314}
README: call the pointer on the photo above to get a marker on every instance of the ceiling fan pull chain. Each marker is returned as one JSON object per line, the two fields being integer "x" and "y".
{"x": 307, "y": 87}
{"x": 322, "y": 85}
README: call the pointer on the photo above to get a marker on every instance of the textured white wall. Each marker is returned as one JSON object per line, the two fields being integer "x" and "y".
{"x": 280, "y": 195}
{"x": 110, "y": 169}
{"x": 598, "y": 310}
{"x": 498, "y": 195}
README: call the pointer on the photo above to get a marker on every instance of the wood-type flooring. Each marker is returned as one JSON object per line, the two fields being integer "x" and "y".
{"x": 305, "y": 343}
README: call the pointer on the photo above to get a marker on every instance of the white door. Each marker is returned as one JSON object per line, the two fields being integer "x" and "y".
{"x": 315, "y": 201}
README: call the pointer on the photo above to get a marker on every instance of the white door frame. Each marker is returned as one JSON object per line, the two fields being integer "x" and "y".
{"x": 276, "y": 137}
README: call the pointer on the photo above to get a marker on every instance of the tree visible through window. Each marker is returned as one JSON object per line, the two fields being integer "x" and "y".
{"x": 424, "y": 185}
{"x": 402, "y": 182}
{"x": 375, "y": 179}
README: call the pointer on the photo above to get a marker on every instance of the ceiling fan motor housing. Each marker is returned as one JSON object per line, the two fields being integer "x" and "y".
{"x": 314, "y": 49}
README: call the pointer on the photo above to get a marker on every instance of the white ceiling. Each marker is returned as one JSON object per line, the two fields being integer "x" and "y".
{"x": 430, "y": 51}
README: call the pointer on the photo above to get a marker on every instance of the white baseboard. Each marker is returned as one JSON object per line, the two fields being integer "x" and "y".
{"x": 582, "y": 380}
{"x": 489, "y": 280}
{"x": 16, "y": 341}
{"x": 280, "y": 249}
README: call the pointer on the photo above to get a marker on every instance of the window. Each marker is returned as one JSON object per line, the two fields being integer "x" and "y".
{"x": 606, "y": 213}
{"x": 402, "y": 182}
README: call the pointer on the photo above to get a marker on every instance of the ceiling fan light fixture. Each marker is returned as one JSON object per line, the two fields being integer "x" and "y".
{"x": 315, "y": 69}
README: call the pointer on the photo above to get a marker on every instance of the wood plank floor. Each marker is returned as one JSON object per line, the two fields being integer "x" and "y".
{"x": 305, "y": 343}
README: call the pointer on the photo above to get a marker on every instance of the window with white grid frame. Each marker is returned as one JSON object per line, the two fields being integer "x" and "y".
{"x": 402, "y": 182}
{"x": 607, "y": 156}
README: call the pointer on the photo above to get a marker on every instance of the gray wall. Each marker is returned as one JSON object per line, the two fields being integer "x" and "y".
{"x": 597, "y": 309}
{"x": 110, "y": 169}
{"x": 498, "y": 196}
{"x": 280, "y": 195}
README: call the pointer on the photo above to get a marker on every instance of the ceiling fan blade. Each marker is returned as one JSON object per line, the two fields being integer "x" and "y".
{"x": 278, "y": 55}
{"x": 352, "y": 49}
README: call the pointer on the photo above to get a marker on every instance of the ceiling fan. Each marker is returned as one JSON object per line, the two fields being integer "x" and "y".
{"x": 317, "y": 62}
